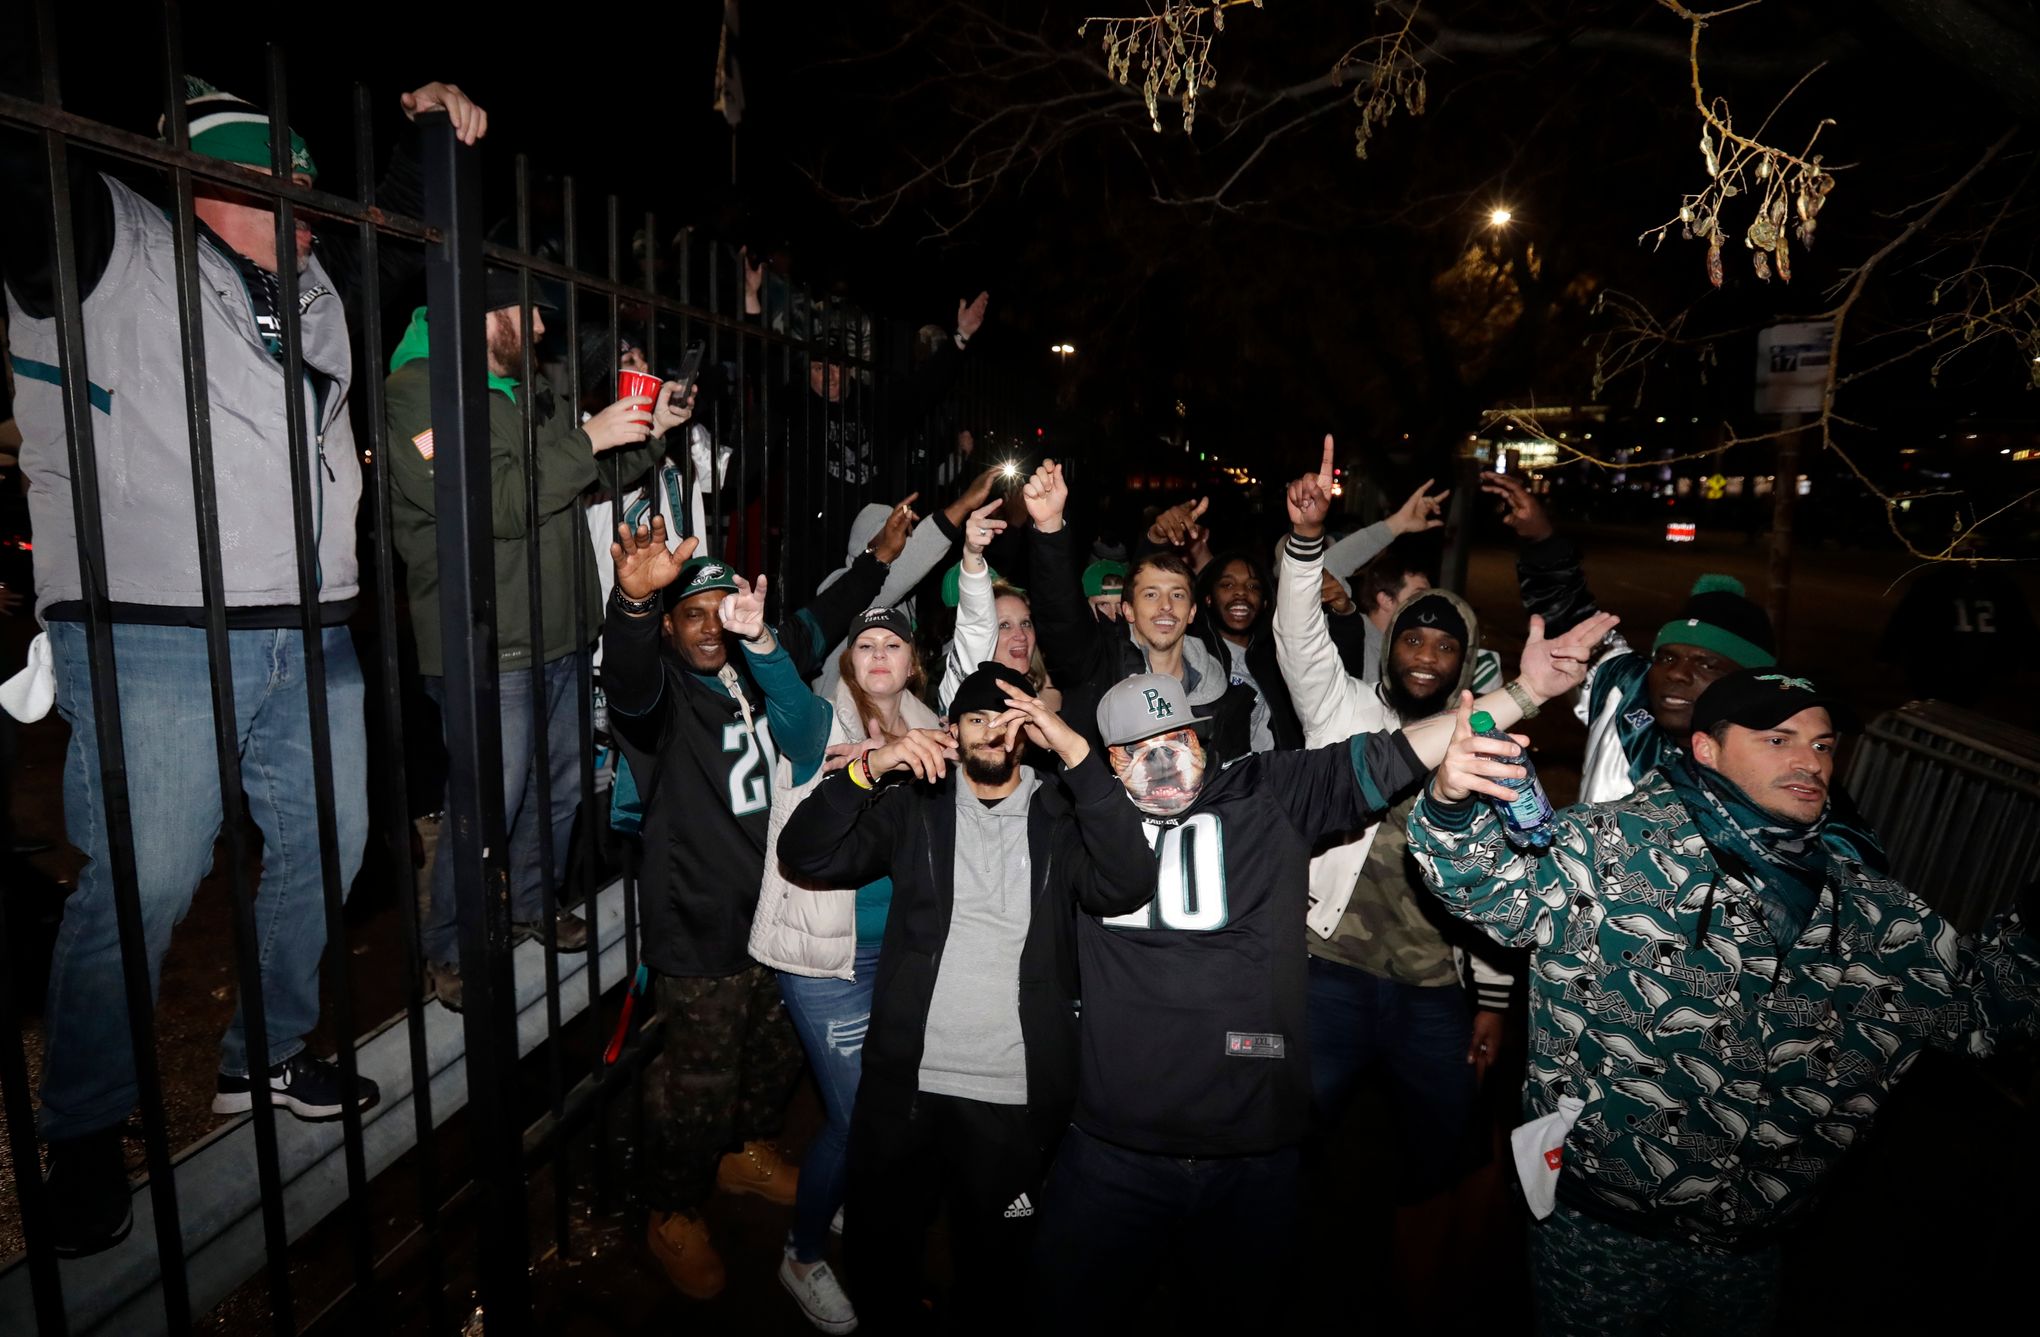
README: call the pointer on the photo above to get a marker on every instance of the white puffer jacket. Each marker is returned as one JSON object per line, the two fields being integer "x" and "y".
{"x": 801, "y": 928}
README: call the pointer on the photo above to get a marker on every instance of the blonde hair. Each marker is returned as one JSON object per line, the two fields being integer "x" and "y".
{"x": 1037, "y": 672}
{"x": 846, "y": 669}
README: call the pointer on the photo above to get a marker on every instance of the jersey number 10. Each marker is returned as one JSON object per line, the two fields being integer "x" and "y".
{"x": 1189, "y": 880}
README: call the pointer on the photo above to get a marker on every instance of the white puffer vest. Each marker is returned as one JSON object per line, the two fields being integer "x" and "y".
{"x": 798, "y": 927}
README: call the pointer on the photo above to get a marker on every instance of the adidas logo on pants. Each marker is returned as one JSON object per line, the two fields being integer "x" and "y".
{"x": 1020, "y": 1207}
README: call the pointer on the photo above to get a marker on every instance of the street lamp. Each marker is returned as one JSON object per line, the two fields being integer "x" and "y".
{"x": 1063, "y": 351}
{"x": 1499, "y": 216}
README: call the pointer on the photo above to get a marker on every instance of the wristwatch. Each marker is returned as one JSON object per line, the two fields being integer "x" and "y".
{"x": 1521, "y": 696}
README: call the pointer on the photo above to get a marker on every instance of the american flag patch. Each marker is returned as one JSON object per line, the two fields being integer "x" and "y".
{"x": 424, "y": 443}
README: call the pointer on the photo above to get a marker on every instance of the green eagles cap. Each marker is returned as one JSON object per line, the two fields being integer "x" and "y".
{"x": 702, "y": 574}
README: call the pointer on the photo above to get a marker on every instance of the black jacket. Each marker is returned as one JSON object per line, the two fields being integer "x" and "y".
{"x": 1086, "y": 658}
{"x": 706, "y": 788}
{"x": 1086, "y": 853}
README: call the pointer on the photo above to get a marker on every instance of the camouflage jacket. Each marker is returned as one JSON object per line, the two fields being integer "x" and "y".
{"x": 1722, "y": 1081}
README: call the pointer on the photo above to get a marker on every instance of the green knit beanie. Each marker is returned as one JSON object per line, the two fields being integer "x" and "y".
{"x": 233, "y": 129}
{"x": 1720, "y": 617}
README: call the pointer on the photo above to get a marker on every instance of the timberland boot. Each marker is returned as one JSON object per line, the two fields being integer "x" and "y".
{"x": 679, "y": 1243}
{"x": 759, "y": 1169}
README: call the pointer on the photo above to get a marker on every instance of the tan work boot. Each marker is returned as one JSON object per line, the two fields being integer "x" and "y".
{"x": 759, "y": 1169}
{"x": 680, "y": 1244}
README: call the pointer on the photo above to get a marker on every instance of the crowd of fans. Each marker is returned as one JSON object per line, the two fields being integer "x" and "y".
{"x": 1087, "y": 905}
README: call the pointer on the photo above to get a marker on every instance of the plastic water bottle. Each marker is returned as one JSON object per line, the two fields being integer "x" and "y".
{"x": 1527, "y": 819}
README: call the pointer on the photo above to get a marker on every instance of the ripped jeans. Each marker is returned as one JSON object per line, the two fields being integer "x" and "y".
{"x": 831, "y": 1016}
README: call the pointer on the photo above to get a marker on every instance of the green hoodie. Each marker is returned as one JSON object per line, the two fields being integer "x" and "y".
{"x": 565, "y": 459}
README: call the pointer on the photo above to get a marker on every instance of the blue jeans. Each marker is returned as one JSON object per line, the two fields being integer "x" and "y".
{"x": 831, "y": 1016}
{"x": 1418, "y": 1038}
{"x": 174, "y": 809}
{"x": 524, "y": 801}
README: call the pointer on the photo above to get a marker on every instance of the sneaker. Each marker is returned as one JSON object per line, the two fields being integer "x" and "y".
{"x": 308, "y": 1087}
{"x": 572, "y": 934}
{"x": 759, "y": 1169}
{"x": 90, "y": 1206}
{"x": 444, "y": 982}
{"x": 679, "y": 1243}
{"x": 836, "y": 1222}
{"x": 819, "y": 1295}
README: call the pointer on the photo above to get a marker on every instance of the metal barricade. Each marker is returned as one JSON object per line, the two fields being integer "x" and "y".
{"x": 526, "y": 1089}
{"x": 1955, "y": 795}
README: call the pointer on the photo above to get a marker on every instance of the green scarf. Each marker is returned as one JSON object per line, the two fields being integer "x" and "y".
{"x": 1783, "y": 863}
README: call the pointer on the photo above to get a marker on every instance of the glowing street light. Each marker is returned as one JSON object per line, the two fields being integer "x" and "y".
{"x": 1500, "y": 216}
{"x": 1063, "y": 351}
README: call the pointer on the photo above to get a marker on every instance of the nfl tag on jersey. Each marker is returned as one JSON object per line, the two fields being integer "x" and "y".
{"x": 1242, "y": 1044}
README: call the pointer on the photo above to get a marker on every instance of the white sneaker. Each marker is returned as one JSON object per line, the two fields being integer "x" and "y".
{"x": 820, "y": 1296}
{"x": 836, "y": 1222}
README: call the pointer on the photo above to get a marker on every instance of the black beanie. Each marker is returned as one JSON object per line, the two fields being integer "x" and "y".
{"x": 1431, "y": 610}
{"x": 1721, "y": 618}
{"x": 980, "y": 691}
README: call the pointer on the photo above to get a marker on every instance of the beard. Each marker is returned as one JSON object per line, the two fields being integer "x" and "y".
{"x": 989, "y": 770}
{"x": 1407, "y": 705}
{"x": 506, "y": 350}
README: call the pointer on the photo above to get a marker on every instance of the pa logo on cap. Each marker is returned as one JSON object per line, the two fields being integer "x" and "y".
{"x": 1157, "y": 704}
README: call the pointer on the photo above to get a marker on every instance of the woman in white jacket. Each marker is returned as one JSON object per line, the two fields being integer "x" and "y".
{"x": 994, "y": 621}
{"x": 824, "y": 941}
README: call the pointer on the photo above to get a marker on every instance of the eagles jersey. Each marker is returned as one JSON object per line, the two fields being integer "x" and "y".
{"x": 1193, "y": 1015}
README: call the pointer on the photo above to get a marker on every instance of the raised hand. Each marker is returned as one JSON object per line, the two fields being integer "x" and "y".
{"x": 744, "y": 611}
{"x": 667, "y": 413}
{"x": 979, "y": 531}
{"x": 970, "y": 316}
{"x": 1522, "y": 510}
{"x": 1043, "y": 726}
{"x": 643, "y": 564}
{"x": 892, "y": 540}
{"x": 624, "y": 423}
{"x": 925, "y": 752}
{"x": 1473, "y": 764}
{"x": 470, "y": 122}
{"x": 1551, "y": 668}
{"x": 1310, "y": 497}
{"x": 754, "y": 282}
{"x": 1177, "y": 527}
{"x": 1421, "y": 511}
{"x": 1046, "y": 495}
{"x": 1333, "y": 595}
{"x": 975, "y": 495}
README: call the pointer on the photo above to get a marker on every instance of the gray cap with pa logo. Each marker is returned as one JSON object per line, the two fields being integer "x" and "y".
{"x": 1143, "y": 706}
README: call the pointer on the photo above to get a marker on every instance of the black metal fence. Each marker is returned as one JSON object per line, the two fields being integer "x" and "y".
{"x": 771, "y": 501}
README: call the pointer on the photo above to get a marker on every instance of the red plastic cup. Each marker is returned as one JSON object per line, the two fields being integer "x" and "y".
{"x": 640, "y": 383}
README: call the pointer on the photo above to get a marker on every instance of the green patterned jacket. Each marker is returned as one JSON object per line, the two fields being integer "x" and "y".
{"x": 1723, "y": 1081}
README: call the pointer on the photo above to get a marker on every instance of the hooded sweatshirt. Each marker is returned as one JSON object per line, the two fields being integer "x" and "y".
{"x": 564, "y": 458}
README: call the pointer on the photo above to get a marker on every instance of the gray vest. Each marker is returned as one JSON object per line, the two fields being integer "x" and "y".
{"x": 139, "y": 439}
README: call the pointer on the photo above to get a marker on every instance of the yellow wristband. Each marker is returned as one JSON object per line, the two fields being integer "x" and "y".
{"x": 860, "y": 774}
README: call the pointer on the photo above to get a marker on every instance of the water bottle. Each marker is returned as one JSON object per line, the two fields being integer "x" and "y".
{"x": 1527, "y": 819}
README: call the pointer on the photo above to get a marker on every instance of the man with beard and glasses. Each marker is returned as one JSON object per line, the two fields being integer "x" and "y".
{"x": 124, "y": 266}
{"x": 1725, "y": 984}
{"x": 535, "y": 807}
{"x": 1387, "y": 989}
{"x": 971, "y": 1051}
{"x": 1193, "y": 1092}
{"x": 1638, "y": 708}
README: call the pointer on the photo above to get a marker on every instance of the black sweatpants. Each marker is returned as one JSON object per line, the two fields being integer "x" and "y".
{"x": 1120, "y": 1222}
{"x": 909, "y": 1158}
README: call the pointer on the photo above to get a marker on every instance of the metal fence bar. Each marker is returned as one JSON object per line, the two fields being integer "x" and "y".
{"x": 104, "y": 684}
{"x": 540, "y": 812}
{"x": 305, "y": 439}
{"x": 220, "y": 659}
{"x": 474, "y": 807}
{"x": 394, "y": 786}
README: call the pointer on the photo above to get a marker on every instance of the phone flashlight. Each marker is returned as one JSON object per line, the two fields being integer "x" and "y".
{"x": 1009, "y": 469}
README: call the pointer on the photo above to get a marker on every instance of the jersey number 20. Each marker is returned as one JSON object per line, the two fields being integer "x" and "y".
{"x": 1189, "y": 880}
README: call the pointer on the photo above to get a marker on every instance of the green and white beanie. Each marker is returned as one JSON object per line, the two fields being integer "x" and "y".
{"x": 232, "y": 129}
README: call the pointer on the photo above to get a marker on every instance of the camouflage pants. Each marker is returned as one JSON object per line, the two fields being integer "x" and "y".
{"x": 1593, "y": 1279}
{"x": 724, "y": 1072}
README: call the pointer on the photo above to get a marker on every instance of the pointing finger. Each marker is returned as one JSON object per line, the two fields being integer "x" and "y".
{"x": 1325, "y": 468}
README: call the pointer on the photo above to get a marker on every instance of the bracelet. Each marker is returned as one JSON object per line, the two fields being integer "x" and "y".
{"x": 634, "y": 607}
{"x": 860, "y": 774}
{"x": 1521, "y": 696}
